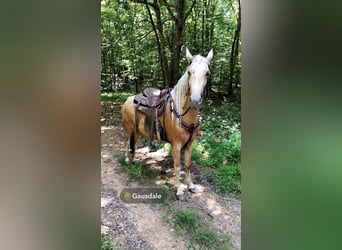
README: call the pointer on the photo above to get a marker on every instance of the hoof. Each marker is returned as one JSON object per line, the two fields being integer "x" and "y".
{"x": 135, "y": 161}
{"x": 193, "y": 190}
{"x": 153, "y": 147}
{"x": 152, "y": 150}
{"x": 181, "y": 197}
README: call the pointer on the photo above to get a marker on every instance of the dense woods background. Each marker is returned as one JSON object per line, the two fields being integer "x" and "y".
{"x": 143, "y": 43}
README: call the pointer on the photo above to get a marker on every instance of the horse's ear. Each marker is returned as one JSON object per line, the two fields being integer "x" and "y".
{"x": 210, "y": 55}
{"x": 188, "y": 55}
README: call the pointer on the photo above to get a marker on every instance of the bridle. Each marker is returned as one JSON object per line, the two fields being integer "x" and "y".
{"x": 188, "y": 127}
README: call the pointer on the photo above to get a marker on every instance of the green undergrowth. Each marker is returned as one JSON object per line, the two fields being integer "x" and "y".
{"x": 188, "y": 221}
{"x": 107, "y": 243}
{"x": 138, "y": 170}
{"x": 219, "y": 147}
{"x": 115, "y": 96}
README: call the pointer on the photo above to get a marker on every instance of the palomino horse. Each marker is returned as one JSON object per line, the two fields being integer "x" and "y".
{"x": 180, "y": 119}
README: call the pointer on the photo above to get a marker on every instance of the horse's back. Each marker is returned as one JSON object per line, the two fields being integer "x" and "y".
{"x": 127, "y": 113}
{"x": 128, "y": 105}
{"x": 128, "y": 117}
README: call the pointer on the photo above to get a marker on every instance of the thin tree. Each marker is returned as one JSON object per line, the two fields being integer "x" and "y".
{"x": 234, "y": 53}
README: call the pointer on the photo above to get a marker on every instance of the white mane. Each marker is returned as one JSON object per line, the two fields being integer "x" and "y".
{"x": 179, "y": 92}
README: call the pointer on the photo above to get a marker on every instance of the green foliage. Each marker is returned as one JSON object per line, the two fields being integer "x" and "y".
{"x": 197, "y": 152}
{"x": 211, "y": 239}
{"x": 106, "y": 242}
{"x": 129, "y": 51}
{"x": 220, "y": 152}
{"x": 134, "y": 170}
{"x": 227, "y": 178}
{"x": 220, "y": 119}
{"x": 138, "y": 170}
{"x": 167, "y": 193}
{"x": 220, "y": 147}
{"x": 168, "y": 147}
{"x": 117, "y": 97}
{"x": 150, "y": 173}
{"x": 189, "y": 220}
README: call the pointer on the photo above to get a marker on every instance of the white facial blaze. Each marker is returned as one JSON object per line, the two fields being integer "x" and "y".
{"x": 198, "y": 79}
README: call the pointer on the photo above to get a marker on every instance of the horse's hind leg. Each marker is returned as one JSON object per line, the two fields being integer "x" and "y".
{"x": 128, "y": 122}
{"x": 130, "y": 142}
{"x": 133, "y": 142}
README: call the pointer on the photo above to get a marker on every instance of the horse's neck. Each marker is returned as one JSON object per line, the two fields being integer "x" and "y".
{"x": 191, "y": 115}
{"x": 182, "y": 101}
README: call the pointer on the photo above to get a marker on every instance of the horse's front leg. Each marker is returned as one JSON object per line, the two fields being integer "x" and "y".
{"x": 187, "y": 159}
{"x": 176, "y": 149}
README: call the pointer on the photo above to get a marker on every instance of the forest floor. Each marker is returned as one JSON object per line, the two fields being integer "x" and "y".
{"x": 149, "y": 226}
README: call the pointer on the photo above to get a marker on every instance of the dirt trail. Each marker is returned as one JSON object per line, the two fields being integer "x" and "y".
{"x": 146, "y": 226}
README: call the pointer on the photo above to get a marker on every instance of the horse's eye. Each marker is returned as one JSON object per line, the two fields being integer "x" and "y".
{"x": 189, "y": 73}
{"x": 207, "y": 74}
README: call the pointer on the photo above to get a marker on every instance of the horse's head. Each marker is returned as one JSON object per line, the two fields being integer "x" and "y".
{"x": 198, "y": 74}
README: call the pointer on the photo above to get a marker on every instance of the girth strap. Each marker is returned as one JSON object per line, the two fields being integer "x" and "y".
{"x": 191, "y": 129}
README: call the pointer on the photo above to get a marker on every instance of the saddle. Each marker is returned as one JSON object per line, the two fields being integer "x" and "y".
{"x": 150, "y": 98}
{"x": 152, "y": 103}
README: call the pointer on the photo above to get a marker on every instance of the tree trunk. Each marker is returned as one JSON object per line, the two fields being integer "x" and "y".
{"x": 159, "y": 33}
{"x": 234, "y": 53}
{"x": 162, "y": 49}
{"x": 175, "y": 54}
{"x": 177, "y": 41}
{"x": 195, "y": 30}
{"x": 171, "y": 73}
{"x": 203, "y": 26}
